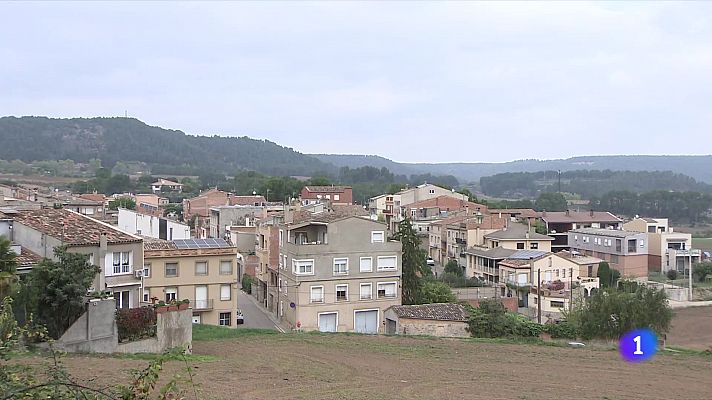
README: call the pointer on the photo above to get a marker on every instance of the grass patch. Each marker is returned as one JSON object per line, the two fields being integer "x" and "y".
{"x": 168, "y": 357}
{"x": 211, "y": 332}
{"x": 674, "y": 350}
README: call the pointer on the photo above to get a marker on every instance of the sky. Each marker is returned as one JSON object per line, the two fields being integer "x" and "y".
{"x": 413, "y": 82}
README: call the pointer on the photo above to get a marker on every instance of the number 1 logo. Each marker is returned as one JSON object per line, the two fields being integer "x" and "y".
{"x": 638, "y": 345}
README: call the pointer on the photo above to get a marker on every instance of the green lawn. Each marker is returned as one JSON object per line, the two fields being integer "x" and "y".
{"x": 211, "y": 332}
{"x": 702, "y": 243}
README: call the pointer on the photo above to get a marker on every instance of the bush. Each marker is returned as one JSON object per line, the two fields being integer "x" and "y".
{"x": 702, "y": 271}
{"x": 491, "y": 320}
{"x": 459, "y": 281}
{"x": 436, "y": 292}
{"x": 247, "y": 283}
{"x": 562, "y": 330}
{"x": 672, "y": 274}
{"x": 452, "y": 267}
{"x": 136, "y": 323}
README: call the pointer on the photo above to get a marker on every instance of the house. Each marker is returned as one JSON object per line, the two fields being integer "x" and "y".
{"x": 90, "y": 208}
{"x": 440, "y": 319}
{"x": 524, "y": 273}
{"x": 334, "y": 194}
{"x": 5, "y": 224}
{"x": 517, "y": 214}
{"x": 26, "y": 259}
{"x": 559, "y": 223}
{"x": 164, "y": 185}
{"x": 440, "y": 206}
{"x": 198, "y": 208}
{"x": 117, "y": 253}
{"x": 267, "y": 272}
{"x": 483, "y": 263}
{"x": 337, "y": 271}
{"x": 426, "y": 191}
{"x": 202, "y": 270}
{"x": 625, "y": 251}
{"x": 518, "y": 237}
{"x": 223, "y": 217}
{"x": 450, "y": 237}
{"x": 150, "y": 204}
{"x": 588, "y": 265}
{"x": 151, "y": 226}
{"x": 667, "y": 249}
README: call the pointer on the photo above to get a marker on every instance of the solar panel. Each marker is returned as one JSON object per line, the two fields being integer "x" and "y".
{"x": 526, "y": 254}
{"x": 200, "y": 243}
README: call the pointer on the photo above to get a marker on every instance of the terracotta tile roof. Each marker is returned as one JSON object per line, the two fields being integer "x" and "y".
{"x": 447, "y": 203}
{"x": 166, "y": 182}
{"x": 562, "y": 217}
{"x": 488, "y": 222}
{"x": 72, "y": 228}
{"x": 158, "y": 244}
{"x": 606, "y": 232}
{"x": 98, "y": 197}
{"x": 27, "y": 258}
{"x": 518, "y": 212}
{"x": 578, "y": 258}
{"x": 436, "y": 312}
{"x": 327, "y": 189}
{"x": 337, "y": 212}
{"x": 246, "y": 200}
{"x": 517, "y": 232}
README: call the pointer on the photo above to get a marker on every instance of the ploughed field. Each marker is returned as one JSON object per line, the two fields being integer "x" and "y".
{"x": 320, "y": 366}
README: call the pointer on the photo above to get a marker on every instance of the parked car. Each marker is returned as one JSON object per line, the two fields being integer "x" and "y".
{"x": 239, "y": 318}
{"x": 430, "y": 262}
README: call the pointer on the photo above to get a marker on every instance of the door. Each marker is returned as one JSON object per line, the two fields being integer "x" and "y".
{"x": 201, "y": 297}
{"x": 327, "y": 322}
{"x": 366, "y": 321}
{"x": 390, "y": 327}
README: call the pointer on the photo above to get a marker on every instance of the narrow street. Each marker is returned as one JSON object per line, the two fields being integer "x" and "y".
{"x": 255, "y": 316}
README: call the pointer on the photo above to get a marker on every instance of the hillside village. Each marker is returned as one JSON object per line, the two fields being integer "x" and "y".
{"x": 322, "y": 262}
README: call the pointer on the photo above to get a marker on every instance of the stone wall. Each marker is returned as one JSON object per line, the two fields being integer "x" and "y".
{"x": 510, "y": 303}
{"x": 425, "y": 327}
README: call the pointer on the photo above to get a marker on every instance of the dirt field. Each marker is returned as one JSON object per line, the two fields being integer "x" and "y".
{"x": 313, "y": 366}
{"x": 692, "y": 328}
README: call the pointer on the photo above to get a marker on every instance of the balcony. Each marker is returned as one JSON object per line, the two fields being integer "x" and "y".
{"x": 460, "y": 241}
{"x": 684, "y": 253}
{"x": 203, "y": 305}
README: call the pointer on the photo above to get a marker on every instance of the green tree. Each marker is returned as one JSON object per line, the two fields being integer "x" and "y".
{"x": 433, "y": 291}
{"x": 540, "y": 227}
{"x": 122, "y": 202}
{"x": 59, "y": 287}
{"x": 8, "y": 265}
{"x": 610, "y": 313}
{"x": 702, "y": 271}
{"x": 550, "y": 202}
{"x": 413, "y": 262}
{"x": 607, "y": 277}
{"x": 452, "y": 267}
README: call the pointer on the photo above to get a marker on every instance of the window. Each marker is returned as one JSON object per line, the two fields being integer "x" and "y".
{"x": 557, "y": 304}
{"x": 387, "y": 263}
{"x": 281, "y": 238}
{"x": 366, "y": 264}
{"x": 303, "y": 267}
{"x": 317, "y": 294}
{"x": 563, "y": 273}
{"x": 336, "y": 197}
{"x": 224, "y": 319}
{"x": 226, "y": 267}
{"x": 342, "y": 292}
{"x": 201, "y": 268}
{"x": 122, "y": 262}
{"x": 387, "y": 290}
{"x": 377, "y": 236}
{"x": 146, "y": 295}
{"x": 171, "y": 293}
{"x": 520, "y": 246}
{"x": 432, "y": 191}
{"x": 225, "y": 292}
{"x": 534, "y": 246}
{"x": 123, "y": 299}
{"x": 366, "y": 291}
{"x": 171, "y": 270}
{"x": 146, "y": 270}
{"x": 341, "y": 266}
{"x": 557, "y": 273}
{"x": 284, "y": 265}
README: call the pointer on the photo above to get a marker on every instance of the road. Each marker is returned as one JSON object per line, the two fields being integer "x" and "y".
{"x": 255, "y": 316}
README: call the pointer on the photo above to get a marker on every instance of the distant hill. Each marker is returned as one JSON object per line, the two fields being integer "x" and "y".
{"x": 697, "y": 167}
{"x": 166, "y": 151}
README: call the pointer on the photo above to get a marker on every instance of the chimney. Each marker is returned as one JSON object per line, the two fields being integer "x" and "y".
{"x": 103, "y": 243}
{"x": 592, "y": 212}
{"x": 567, "y": 213}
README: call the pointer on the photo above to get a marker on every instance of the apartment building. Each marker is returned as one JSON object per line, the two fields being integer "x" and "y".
{"x": 667, "y": 249}
{"x": 222, "y": 217}
{"x": 198, "y": 208}
{"x": 559, "y": 223}
{"x": 117, "y": 253}
{"x": 152, "y": 226}
{"x": 336, "y": 273}
{"x": 625, "y": 251}
{"x": 151, "y": 204}
{"x": 202, "y": 270}
{"x": 518, "y": 237}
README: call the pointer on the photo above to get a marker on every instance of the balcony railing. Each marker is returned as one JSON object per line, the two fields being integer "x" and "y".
{"x": 203, "y": 305}
{"x": 684, "y": 253}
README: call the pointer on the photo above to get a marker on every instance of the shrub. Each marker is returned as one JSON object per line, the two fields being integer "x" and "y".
{"x": 492, "y": 320}
{"x": 563, "y": 330}
{"x": 452, "y": 267}
{"x": 136, "y": 323}
{"x": 672, "y": 274}
{"x": 701, "y": 271}
{"x": 247, "y": 283}
{"x": 436, "y": 292}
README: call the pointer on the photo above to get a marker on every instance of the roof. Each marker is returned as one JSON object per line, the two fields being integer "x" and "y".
{"x": 578, "y": 258}
{"x": 519, "y": 212}
{"x": 437, "y": 312}
{"x": 26, "y": 257}
{"x": 496, "y": 253}
{"x": 337, "y": 212}
{"x": 201, "y": 244}
{"x": 72, "y": 228}
{"x": 158, "y": 244}
{"x": 246, "y": 200}
{"x": 327, "y": 189}
{"x": 488, "y": 222}
{"x": 82, "y": 201}
{"x": 98, "y": 197}
{"x": 161, "y": 182}
{"x": 447, "y": 202}
{"x": 562, "y": 217}
{"x": 524, "y": 257}
{"x": 517, "y": 232}
{"x": 606, "y": 232}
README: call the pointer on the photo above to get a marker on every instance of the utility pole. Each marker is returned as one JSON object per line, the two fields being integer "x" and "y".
{"x": 559, "y": 181}
{"x": 538, "y": 295}
{"x": 690, "y": 277}
{"x": 571, "y": 288}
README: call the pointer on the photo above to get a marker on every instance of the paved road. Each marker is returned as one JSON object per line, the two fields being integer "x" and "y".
{"x": 255, "y": 317}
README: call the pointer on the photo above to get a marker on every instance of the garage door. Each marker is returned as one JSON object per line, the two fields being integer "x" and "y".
{"x": 327, "y": 322}
{"x": 366, "y": 321}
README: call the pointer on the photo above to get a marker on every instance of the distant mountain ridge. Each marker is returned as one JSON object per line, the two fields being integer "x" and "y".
{"x": 698, "y": 167}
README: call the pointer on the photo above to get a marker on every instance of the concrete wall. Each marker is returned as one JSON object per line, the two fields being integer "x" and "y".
{"x": 94, "y": 332}
{"x": 510, "y": 303}
{"x": 149, "y": 225}
{"x": 407, "y": 326}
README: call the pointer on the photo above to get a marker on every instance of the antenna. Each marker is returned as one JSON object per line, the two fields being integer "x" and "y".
{"x": 126, "y": 113}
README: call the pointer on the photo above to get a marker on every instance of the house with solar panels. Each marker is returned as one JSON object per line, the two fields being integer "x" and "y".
{"x": 201, "y": 270}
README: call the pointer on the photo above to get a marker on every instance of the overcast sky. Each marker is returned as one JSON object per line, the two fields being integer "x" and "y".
{"x": 420, "y": 82}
